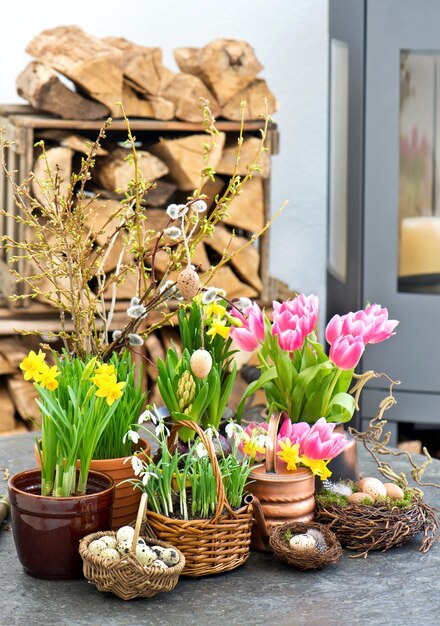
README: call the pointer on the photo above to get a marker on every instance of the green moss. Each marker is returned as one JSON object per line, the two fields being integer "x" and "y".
{"x": 328, "y": 498}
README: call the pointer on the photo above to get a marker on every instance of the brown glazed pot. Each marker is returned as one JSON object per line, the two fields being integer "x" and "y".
{"x": 127, "y": 499}
{"x": 346, "y": 465}
{"x": 47, "y": 530}
{"x": 279, "y": 497}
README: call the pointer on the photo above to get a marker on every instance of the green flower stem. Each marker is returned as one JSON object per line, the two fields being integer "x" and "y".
{"x": 328, "y": 395}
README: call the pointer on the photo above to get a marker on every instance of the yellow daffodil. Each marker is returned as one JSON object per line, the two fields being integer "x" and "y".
{"x": 252, "y": 446}
{"x": 105, "y": 369}
{"x": 319, "y": 468}
{"x": 33, "y": 364}
{"x": 289, "y": 454}
{"x": 109, "y": 388}
{"x": 215, "y": 310}
{"x": 48, "y": 378}
{"x": 218, "y": 327}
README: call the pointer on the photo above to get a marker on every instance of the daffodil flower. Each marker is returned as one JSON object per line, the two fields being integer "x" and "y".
{"x": 48, "y": 378}
{"x": 105, "y": 369}
{"x": 289, "y": 453}
{"x": 218, "y": 327}
{"x": 33, "y": 364}
{"x": 215, "y": 310}
{"x": 319, "y": 468}
{"x": 108, "y": 388}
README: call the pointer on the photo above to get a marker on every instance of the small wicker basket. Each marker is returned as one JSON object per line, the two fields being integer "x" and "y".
{"x": 210, "y": 546}
{"x": 128, "y": 578}
{"x": 309, "y": 558}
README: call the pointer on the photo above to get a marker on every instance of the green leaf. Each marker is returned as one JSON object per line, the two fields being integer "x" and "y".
{"x": 341, "y": 408}
{"x": 268, "y": 375}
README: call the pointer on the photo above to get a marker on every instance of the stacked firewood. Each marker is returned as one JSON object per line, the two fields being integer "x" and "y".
{"x": 106, "y": 71}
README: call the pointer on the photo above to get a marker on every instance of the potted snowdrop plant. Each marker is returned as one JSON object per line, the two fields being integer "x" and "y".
{"x": 307, "y": 391}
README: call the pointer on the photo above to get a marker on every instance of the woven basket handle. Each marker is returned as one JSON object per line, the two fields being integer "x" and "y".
{"x": 220, "y": 491}
{"x": 272, "y": 432}
{"x": 139, "y": 519}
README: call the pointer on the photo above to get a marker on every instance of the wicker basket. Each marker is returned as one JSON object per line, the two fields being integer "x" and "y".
{"x": 210, "y": 546}
{"x": 128, "y": 578}
{"x": 307, "y": 559}
{"x": 364, "y": 527}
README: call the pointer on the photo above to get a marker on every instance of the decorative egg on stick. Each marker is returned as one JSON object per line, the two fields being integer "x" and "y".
{"x": 188, "y": 283}
{"x": 201, "y": 363}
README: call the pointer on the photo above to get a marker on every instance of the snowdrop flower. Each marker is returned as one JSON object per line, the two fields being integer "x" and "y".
{"x": 135, "y": 340}
{"x": 137, "y": 311}
{"x": 116, "y": 334}
{"x": 137, "y": 465}
{"x": 161, "y": 430}
{"x": 177, "y": 210}
{"x": 211, "y": 432}
{"x": 146, "y": 477}
{"x": 233, "y": 430}
{"x": 200, "y": 206}
{"x": 146, "y": 416}
{"x": 200, "y": 450}
{"x": 173, "y": 232}
{"x": 264, "y": 441}
{"x": 132, "y": 435}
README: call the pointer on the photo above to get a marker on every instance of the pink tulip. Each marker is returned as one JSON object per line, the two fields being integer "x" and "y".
{"x": 305, "y": 307}
{"x": 346, "y": 351}
{"x": 294, "y": 431}
{"x": 383, "y": 327}
{"x": 248, "y": 336}
{"x": 355, "y": 324}
{"x": 322, "y": 443}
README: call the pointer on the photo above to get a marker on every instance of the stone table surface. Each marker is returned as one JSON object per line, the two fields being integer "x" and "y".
{"x": 398, "y": 587}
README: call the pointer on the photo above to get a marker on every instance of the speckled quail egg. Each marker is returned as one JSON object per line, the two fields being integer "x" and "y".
{"x": 124, "y": 546}
{"x": 188, "y": 283}
{"x": 110, "y": 554}
{"x": 159, "y": 564}
{"x": 302, "y": 542}
{"x": 97, "y": 546}
{"x": 125, "y": 532}
{"x": 110, "y": 542}
{"x": 145, "y": 555}
{"x": 170, "y": 557}
{"x": 394, "y": 491}
{"x": 158, "y": 550}
{"x": 374, "y": 488}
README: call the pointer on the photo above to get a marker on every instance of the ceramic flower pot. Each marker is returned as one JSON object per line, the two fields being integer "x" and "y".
{"x": 346, "y": 465}
{"x": 127, "y": 499}
{"x": 47, "y": 530}
{"x": 279, "y": 497}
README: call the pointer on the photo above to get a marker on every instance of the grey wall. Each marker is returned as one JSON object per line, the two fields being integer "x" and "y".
{"x": 290, "y": 38}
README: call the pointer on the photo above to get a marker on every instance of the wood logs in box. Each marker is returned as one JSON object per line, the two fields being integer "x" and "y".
{"x": 106, "y": 71}
{"x": 173, "y": 163}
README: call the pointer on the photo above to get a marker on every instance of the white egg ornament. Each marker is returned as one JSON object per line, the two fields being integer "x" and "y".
{"x": 97, "y": 546}
{"x": 188, "y": 283}
{"x": 110, "y": 554}
{"x": 302, "y": 542}
{"x": 125, "y": 532}
{"x": 201, "y": 363}
{"x": 170, "y": 557}
{"x": 374, "y": 488}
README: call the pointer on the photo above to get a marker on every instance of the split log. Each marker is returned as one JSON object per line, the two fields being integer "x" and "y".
{"x": 185, "y": 92}
{"x": 170, "y": 339}
{"x": 184, "y": 157}
{"x": 125, "y": 290}
{"x": 112, "y": 256}
{"x": 211, "y": 189}
{"x": 254, "y": 94}
{"x": 200, "y": 258}
{"x": 226, "y": 66}
{"x": 248, "y": 152}
{"x": 246, "y": 263}
{"x": 100, "y": 219}
{"x": 78, "y": 143}
{"x": 142, "y": 67}
{"x": 114, "y": 172}
{"x": 246, "y": 210}
{"x": 60, "y": 158}
{"x": 160, "y": 196}
{"x": 39, "y": 84}
{"x": 94, "y": 66}
{"x": 226, "y": 279}
{"x": 154, "y": 107}
{"x": 23, "y": 395}
{"x": 7, "y": 414}
{"x": 13, "y": 351}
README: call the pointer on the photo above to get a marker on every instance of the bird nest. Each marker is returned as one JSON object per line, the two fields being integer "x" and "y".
{"x": 364, "y": 527}
{"x": 310, "y": 558}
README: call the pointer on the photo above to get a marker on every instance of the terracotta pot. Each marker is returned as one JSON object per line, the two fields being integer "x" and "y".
{"x": 126, "y": 498}
{"x": 47, "y": 530}
{"x": 281, "y": 497}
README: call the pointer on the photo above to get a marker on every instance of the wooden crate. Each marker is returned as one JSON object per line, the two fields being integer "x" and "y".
{"x": 24, "y": 126}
